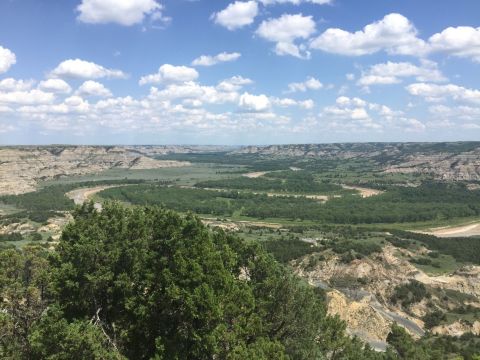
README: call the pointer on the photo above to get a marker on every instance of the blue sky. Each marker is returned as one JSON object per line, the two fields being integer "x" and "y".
{"x": 238, "y": 72}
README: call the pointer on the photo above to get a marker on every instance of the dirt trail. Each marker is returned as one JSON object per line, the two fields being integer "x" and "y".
{"x": 472, "y": 229}
{"x": 79, "y": 196}
{"x": 364, "y": 192}
{"x": 254, "y": 175}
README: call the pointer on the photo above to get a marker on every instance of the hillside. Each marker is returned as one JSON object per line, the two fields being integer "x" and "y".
{"x": 446, "y": 161}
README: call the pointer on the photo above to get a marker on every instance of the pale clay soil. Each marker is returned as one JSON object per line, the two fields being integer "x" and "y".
{"x": 454, "y": 231}
{"x": 254, "y": 175}
{"x": 364, "y": 192}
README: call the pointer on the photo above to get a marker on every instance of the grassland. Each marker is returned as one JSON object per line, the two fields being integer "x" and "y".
{"x": 181, "y": 176}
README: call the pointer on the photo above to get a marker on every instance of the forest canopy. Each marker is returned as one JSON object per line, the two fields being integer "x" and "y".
{"x": 149, "y": 283}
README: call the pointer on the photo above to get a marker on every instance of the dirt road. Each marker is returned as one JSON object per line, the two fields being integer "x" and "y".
{"x": 254, "y": 175}
{"x": 364, "y": 192}
{"x": 472, "y": 229}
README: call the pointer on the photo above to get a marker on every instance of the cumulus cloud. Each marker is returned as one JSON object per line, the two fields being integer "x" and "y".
{"x": 170, "y": 73}
{"x": 6, "y": 128}
{"x": 195, "y": 93}
{"x": 234, "y": 83}
{"x": 356, "y": 114}
{"x": 7, "y": 59}
{"x": 254, "y": 103}
{"x": 296, "y": 2}
{"x": 287, "y": 102}
{"x": 462, "y": 41}
{"x": 34, "y": 96}
{"x": 207, "y": 60}
{"x": 393, "y": 72}
{"x": 435, "y": 92}
{"x": 93, "y": 88}
{"x": 123, "y": 12}
{"x": 310, "y": 84}
{"x": 76, "y": 68}
{"x": 394, "y": 34}
{"x": 237, "y": 15}
{"x": 55, "y": 85}
{"x": 285, "y": 30}
{"x": 452, "y": 113}
{"x": 11, "y": 84}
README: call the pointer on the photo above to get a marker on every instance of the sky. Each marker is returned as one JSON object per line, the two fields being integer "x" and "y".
{"x": 238, "y": 72}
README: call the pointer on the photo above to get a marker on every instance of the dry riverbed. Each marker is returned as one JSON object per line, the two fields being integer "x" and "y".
{"x": 472, "y": 229}
{"x": 364, "y": 192}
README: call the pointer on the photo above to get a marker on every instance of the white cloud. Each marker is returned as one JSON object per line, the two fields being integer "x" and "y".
{"x": 462, "y": 41}
{"x": 93, "y": 88}
{"x": 194, "y": 92}
{"x": 296, "y": 2}
{"x": 123, "y": 12}
{"x": 392, "y": 73}
{"x": 207, "y": 60}
{"x": 26, "y": 97}
{"x": 462, "y": 116}
{"x": 355, "y": 114}
{"x": 454, "y": 113}
{"x": 84, "y": 69}
{"x": 55, "y": 85}
{"x": 234, "y": 83}
{"x": 287, "y": 102}
{"x": 285, "y": 30}
{"x": 237, "y": 14}
{"x": 394, "y": 33}
{"x": 309, "y": 84}
{"x": 10, "y": 84}
{"x": 7, "y": 59}
{"x": 307, "y": 104}
{"x": 435, "y": 93}
{"x": 254, "y": 103}
{"x": 170, "y": 73}
{"x": 6, "y": 128}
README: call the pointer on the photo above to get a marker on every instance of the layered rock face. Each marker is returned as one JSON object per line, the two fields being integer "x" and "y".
{"x": 22, "y": 167}
{"x": 444, "y": 161}
{"x": 444, "y": 166}
{"x": 368, "y": 310}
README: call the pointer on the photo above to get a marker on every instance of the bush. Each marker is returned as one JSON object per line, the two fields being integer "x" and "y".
{"x": 433, "y": 319}
{"x": 410, "y": 293}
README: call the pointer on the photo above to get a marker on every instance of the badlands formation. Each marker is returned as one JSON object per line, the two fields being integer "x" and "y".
{"x": 22, "y": 167}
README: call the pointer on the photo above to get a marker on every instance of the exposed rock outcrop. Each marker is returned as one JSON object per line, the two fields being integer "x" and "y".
{"x": 22, "y": 167}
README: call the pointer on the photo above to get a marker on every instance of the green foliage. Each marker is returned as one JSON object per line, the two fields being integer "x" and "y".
{"x": 364, "y": 248}
{"x": 285, "y": 250}
{"x": 46, "y": 199}
{"x": 15, "y": 236}
{"x": 23, "y": 286}
{"x": 147, "y": 283}
{"x": 53, "y": 338}
{"x": 410, "y": 293}
{"x": 433, "y": 319}
{"x": 406, "y": 348}
{"x": 466, "y": 347}
{"x": 36, "y": 237}
{"x": 430, "y": 201}
{"x": 462, "y": 249}
{"x": 284, "y": 181}
{"x": 163, "y": 285}
{"x": 44, "y": 203}
{"x": 196, "y": 200}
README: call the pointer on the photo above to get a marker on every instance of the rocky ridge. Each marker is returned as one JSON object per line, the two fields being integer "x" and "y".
{"x": 22, "y": 167}
{"x": 443, "y": 161}
{"x": 367, "y": 308}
